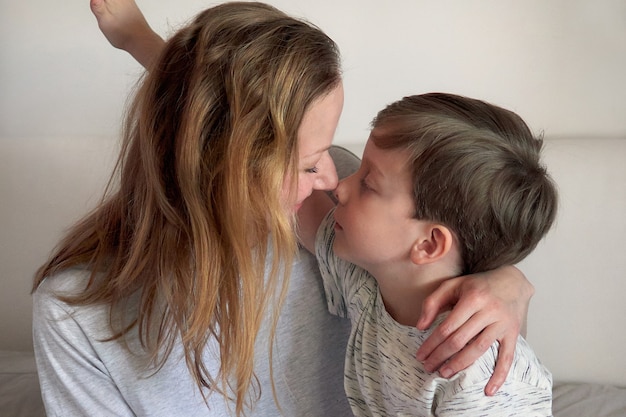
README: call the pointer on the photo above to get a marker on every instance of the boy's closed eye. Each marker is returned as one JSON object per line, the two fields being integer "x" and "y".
{"x": 365, "y": 186}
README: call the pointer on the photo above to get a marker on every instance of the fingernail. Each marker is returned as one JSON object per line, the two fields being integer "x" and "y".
{"x": 445, "y": 372}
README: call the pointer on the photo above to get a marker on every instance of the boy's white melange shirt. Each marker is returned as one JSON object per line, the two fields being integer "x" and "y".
{"x": 382, "y": 375}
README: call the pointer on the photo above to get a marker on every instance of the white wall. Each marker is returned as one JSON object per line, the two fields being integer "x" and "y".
{"x": 576, "y": 319}
{"x": 559, "y": 64}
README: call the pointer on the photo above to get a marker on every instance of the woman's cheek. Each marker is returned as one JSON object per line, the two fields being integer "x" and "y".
{"x": 305, "y": 188}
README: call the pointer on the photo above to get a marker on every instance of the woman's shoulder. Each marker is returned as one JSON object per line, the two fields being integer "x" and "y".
{"x": 50, "y": 299}
{"x": 65, "y": 283}
{"x": 53, "y": 310}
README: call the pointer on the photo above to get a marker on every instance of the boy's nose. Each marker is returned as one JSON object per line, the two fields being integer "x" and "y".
{"x": 340, "y": 191}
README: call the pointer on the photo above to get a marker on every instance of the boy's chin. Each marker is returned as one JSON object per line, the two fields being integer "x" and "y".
{"x": 340, "y": 250}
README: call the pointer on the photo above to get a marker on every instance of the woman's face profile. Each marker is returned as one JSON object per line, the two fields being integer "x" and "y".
{"x": 316, "y": 170}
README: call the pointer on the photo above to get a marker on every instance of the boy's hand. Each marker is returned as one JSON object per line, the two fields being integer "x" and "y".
{"x": 487, "y": 307}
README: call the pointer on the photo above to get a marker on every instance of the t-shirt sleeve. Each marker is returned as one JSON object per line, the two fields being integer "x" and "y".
{"x": 526, "y": 392}
{"x": 339, "y": 277}
{"x": 73, "y": 380}
{"x": 515, "y": 399}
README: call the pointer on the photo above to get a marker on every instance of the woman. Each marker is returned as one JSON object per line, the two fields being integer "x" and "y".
{"x": 155, "y": 303}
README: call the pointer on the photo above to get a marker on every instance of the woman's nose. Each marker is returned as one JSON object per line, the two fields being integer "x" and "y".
{"x": 327, "y": 178}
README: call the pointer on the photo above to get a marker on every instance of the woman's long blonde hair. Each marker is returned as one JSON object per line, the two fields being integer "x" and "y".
{"x": 197, "y": 215}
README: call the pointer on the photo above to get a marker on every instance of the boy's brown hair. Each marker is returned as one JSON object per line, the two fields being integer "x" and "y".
{"x": 476, "y": 169}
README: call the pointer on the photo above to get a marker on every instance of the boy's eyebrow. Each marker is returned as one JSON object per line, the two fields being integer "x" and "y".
{"x": 373, "y": 167}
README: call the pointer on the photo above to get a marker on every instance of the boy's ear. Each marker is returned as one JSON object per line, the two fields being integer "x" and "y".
{"x": 432, "y": 245}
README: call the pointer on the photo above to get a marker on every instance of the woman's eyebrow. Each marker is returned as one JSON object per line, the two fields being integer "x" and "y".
{"x": 321, "y": 150}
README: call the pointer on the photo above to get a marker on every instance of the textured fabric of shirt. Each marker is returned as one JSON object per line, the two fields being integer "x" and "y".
{"x": 382, "y": 376}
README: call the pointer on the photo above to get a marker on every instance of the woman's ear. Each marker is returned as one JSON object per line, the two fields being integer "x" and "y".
{"x": 432, "y": 245}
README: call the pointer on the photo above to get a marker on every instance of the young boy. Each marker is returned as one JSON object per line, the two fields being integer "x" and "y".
{"x": 448, "y": 185}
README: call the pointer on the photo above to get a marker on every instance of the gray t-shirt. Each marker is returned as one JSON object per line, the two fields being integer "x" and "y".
{"x": 382, "y": 375}
{"x": 82, "y": 375}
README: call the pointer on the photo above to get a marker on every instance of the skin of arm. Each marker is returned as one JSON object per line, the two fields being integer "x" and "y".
{"x": 486, "y": 307}
{"x": 310, "y": 216}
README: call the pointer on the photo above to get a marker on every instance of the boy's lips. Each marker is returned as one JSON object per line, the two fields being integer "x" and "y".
{"x": 337, "y": 224}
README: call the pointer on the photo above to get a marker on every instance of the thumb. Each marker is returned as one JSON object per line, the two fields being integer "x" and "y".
{"x": 442, "y": 299}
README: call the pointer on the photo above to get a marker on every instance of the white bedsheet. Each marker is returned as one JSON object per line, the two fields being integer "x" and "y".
{"x": 19, "y": 386}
